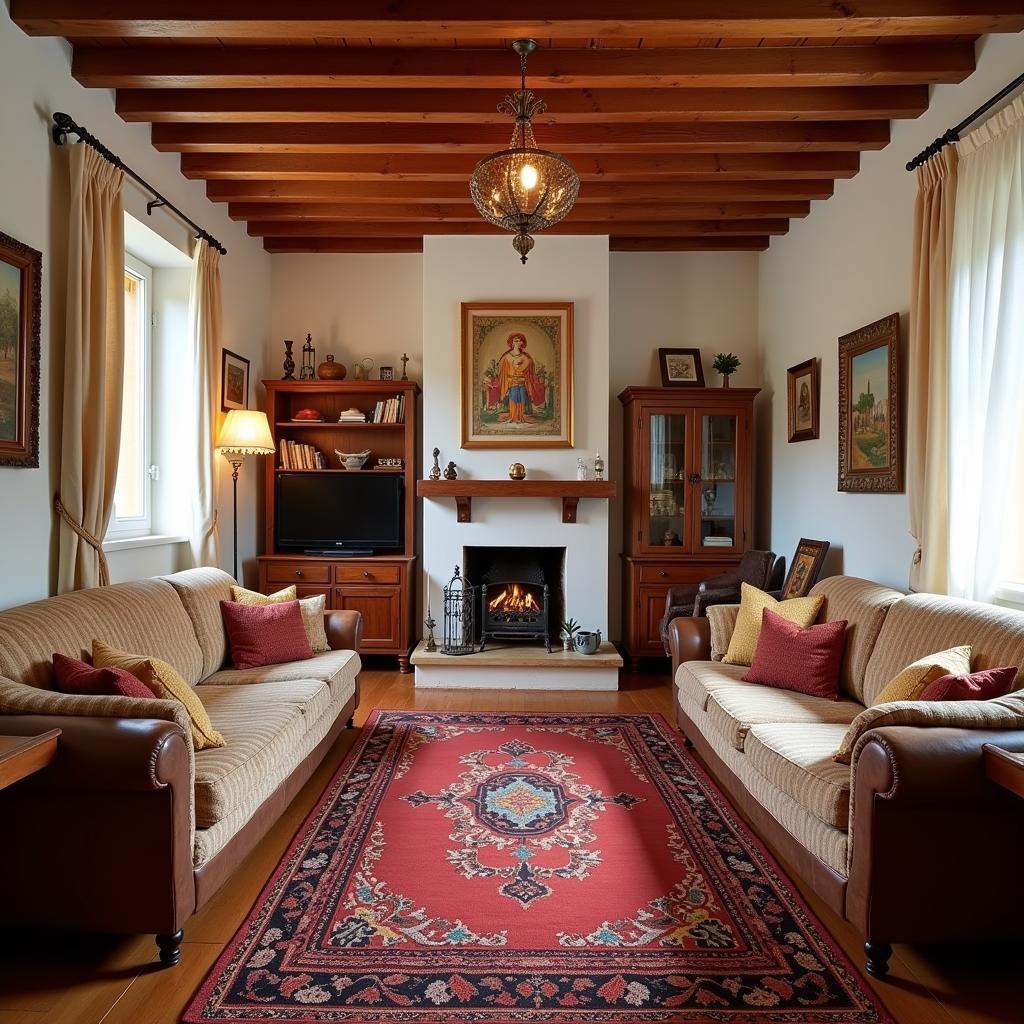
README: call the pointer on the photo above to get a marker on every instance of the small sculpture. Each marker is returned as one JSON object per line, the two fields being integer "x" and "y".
{"x": 598, "y": 467}
{"x": 435, "y": 472}
{"x": 517, "y": 471}
{"x": 450, "y": 473}
{"x": 405, "y": 359}
{"x": 289, "y": 361}
{"x": 430, "y": 623}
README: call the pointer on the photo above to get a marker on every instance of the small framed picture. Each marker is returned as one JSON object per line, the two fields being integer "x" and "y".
{"x": 806, "y": 568}
{"x": 234, "y": 381}
{"x": 681, "y": 368}
{"x": 803, "y": 401}
{"x": 387, "y": 373}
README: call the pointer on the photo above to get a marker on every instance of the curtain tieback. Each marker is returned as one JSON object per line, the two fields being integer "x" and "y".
{"x": 89, "y": 539}
{"x": 917, "y": 555}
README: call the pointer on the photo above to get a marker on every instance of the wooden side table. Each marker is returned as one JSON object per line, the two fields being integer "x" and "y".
{"x": 22, "y": 755}
{"x": 1005, "y": 768}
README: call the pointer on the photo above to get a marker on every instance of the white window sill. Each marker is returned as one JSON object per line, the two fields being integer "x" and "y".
{"x": 1011, "y": 593}
{"x": 151, "y": 540}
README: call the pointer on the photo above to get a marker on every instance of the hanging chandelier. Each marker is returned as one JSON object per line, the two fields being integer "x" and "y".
{"x": 523, "y": 189}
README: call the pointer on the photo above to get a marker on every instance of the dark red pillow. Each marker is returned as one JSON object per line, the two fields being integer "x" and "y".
{"x": 983, "y": 685}
{"x": 74, "y": 676}
{"x": 793, "y": 658}
{"x": 265, "y": 634}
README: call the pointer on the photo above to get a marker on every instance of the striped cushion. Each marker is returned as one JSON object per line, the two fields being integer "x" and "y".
{"x": 200, "y": 592}
{"x": 311, "y": 696}
{"x": 797, "y": 759}
{"x": 722, "y": 619}
{"x": 336, "y": 668}
{"x": 699, "y": 679}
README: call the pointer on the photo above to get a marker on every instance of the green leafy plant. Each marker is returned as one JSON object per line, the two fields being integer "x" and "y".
{"x": 726, "y": 363}
{"x": 569, "y": 628}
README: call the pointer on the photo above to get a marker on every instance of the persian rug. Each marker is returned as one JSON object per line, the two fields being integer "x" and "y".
{"x": 504, "y": 868}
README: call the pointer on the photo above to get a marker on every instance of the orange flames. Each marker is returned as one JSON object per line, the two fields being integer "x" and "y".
{"x": 513, "y": 599}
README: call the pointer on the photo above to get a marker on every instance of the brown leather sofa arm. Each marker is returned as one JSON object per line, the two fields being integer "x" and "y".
{"x": 689, "y": 639}
{"x": 343, "y": 629}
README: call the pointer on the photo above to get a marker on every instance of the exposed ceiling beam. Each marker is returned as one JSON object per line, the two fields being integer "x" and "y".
{"x": 723, "y": 244}
{"x": 397, "y": 68}
{"x": 285, "y": 170}
{"x": 479, "y": 106}
{"x": 707, "y": 137}
{"x": 423, "y": 20}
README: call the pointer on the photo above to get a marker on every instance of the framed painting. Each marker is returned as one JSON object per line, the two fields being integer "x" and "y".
{"x": 681, "y": 368}
{"x": 870, "y": 419}
{"x": 803, "y": 401}
{"x": 517, "y": 375}
{"x": 805, "y": 568}
{"x": 234, "y": 381}
{"x": 21, "y": 274}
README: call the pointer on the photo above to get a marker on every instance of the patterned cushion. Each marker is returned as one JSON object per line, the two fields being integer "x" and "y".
{"x": 200, "y": 592}
{"x": 161, "y": 678}
{"x": 338, "y": 669}
{"x": 312, "y": 609}
{"x": 791, "y": 657}
{"x": 722, "y": 619}
{"x": 797, "y": 759}
{"x": 265, "y": 634}
{"x": 989, "y": 682}
{"x": 743, "y": 643}
{"x": 75, "y": 676}
{"x": 911, "y": 682}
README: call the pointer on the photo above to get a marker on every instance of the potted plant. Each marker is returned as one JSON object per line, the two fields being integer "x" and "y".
{"x": 569, "y": 628}
{"x": 726, "y": 364}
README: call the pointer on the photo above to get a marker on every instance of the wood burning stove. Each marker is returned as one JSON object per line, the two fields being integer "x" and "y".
{"x": 515, "y": 603}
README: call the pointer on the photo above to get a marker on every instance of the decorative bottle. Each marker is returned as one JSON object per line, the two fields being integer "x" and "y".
{"x": 581, "y": 469}
{"x": 598, "y": 467}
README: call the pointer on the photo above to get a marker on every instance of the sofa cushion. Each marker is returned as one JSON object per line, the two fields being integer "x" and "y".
{"x": 76, "y": 676}
{"x": 312, "y": 609}
{"x": 722, "y": 620}
{"x": 265, "y": 635}
{"x": 797, "y": 759}
{"x": 338, "y": 669}
{"x": 311, "y": 696}
{"x": 699, "y": 679}
{"x": 200, "y": 592}
{"x": 983, "y": 685}
{"x": 792, "y": 658}
{"x": 734, "y": 709}
{"x": 909, "y": 683}
{"x": 743, "y": 642}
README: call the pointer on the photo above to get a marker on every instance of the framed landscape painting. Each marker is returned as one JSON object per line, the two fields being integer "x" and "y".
{"x": 870, "y": 418}
{"x": 803, "y": 401}
{"x": 517, "y": 373}
{"x": 21, "y": 271}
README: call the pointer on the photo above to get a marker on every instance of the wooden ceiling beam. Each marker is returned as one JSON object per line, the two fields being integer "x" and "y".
{"x": 303, "y": 174}
{"x": 332, "y": 67}
{"x": 707, "y": 137}
{"x": 466, "y": 211}
{"x": 722, "y": 243}
{"x": 599, "y": 19}
{"x": 478, "y": 106}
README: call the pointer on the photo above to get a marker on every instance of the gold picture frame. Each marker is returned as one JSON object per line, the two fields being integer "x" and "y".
{"x": 517, "y": 375}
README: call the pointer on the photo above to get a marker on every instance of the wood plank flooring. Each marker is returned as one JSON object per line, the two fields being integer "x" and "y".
{"x": 74, "y": 979}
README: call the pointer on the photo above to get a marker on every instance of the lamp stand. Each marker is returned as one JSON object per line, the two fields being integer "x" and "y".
{"x": 236, "y": 465}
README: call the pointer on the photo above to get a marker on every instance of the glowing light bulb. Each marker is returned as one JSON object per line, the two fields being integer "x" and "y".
{"x": 528, "y": 176}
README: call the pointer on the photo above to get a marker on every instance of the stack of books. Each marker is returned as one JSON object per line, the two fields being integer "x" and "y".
{"x": 717, "y": 542}
{"x": 391, "y": 410}
{"x": 352, "y": 416}
{"x": 300, "y": 456}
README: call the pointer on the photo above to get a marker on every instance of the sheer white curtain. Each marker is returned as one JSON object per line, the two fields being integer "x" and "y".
{"x": 986, "y": 369}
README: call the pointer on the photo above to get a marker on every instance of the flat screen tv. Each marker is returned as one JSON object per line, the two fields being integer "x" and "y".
{"x": 339, "y": 511}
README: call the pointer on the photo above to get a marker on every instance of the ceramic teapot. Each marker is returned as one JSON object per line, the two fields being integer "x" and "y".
{"x": 588, "y": 642}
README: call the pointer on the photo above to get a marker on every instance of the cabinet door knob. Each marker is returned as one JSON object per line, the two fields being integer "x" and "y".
{"x": 662, "y": 573}
{"x": 298, "y": 572}
{"x": 366, "y": 572}
{"x": 695, "y": 478}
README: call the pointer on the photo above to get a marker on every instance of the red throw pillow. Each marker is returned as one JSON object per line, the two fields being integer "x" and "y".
{"x": 265, "y": 634}
{"x": 791, "y": 657}
{"x": 983, "y": 685}
{"x": 74, "y": 676}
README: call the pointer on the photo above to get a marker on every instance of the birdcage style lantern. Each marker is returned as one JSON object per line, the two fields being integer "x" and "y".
{"x": 308, "y": 371}
{"x": 459, "y": 616}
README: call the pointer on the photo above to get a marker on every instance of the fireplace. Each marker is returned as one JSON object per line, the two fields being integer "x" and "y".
{"x": 521, "y": 592}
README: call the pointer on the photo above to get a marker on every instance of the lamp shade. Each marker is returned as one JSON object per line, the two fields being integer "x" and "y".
{"x": 246, "y": 432}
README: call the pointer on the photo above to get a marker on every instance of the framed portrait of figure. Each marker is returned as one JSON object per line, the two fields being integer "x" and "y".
{"x": 517, "y": 375}
{"x": 803, "y": 401}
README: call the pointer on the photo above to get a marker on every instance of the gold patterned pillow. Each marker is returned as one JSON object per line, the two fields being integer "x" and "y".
{"x": 311, "y": 609}
{"x": 743, "y": 642}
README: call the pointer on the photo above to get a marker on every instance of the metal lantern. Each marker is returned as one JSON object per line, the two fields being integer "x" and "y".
{"x": 459, "y": 616}
{"x": 308, "y": 371}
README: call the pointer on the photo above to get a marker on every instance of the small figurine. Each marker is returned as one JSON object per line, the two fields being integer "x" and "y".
{"x": 581, "y": 469}
{"x": 670, "y": 538}
{"x": 405, "y": 359}
{"x": 598, "y": 467}
{"x": 430, "y": 623}
{"x": 450, "y": 472}
{"x": 289, "y": 361}
{"x": 435, "y": 472}
{"x": 517, "y": 471}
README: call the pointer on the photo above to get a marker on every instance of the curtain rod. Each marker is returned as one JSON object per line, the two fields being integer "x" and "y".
{"x": 953, "y": 134}
{"x": 64, "y": 125}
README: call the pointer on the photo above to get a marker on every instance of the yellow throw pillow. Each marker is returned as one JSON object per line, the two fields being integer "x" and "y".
{"x": 166, "y": 683}
{"x": 910, "y": 683}
{"x": 743, "y": 642}
{"x": 311, "y": 609}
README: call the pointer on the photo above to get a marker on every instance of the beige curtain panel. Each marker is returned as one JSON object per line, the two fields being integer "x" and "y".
{"x": 93, "y": 368}
{"x": 928, "y": 390}
{"x": 205, "y": 323}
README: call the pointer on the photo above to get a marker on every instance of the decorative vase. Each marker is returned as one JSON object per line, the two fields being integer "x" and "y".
{"x": 567, "y": 643}
{"x": 289, "y": 361}
{"x": 331, "y": 370}
{"x": 725, "y": 379}
{"x": 517, "y": 471}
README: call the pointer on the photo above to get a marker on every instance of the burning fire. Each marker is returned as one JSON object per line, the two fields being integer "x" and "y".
{"x": 514, "y": 599}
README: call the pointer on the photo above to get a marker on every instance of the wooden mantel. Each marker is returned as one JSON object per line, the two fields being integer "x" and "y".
{"x": 464, "y": 491}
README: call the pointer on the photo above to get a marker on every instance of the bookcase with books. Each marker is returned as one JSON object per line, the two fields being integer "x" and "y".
{"x": 311, "y": 421}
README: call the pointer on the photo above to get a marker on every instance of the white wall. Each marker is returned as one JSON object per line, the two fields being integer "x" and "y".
{"x": 845, "y": 266}
{"x": 35, "y": 81}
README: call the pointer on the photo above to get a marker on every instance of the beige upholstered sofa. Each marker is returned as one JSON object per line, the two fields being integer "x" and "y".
{"x": 130, "y": 830}
{"x": 910, "y": 842}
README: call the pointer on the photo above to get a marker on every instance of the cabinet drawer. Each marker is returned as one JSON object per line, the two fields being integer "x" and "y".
{"x": 298, "y": 572}
{"x": 363, "y": 573}
{"x": 670, "y": 574}
{"x": 301, "y": 592}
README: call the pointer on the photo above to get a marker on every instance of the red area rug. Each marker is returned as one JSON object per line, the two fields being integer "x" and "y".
{"x": 552, "y": 867}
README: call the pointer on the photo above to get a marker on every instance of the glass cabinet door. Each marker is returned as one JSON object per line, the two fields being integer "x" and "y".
{"x": 717, "y": 486}
{"x": 667, "y": 489}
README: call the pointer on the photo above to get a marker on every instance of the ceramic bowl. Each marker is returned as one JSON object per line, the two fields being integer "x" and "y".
{"x": 352, "y": 460}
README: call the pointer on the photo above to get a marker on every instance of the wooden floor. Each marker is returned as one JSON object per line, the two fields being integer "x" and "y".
{"x": 69, "y": 979}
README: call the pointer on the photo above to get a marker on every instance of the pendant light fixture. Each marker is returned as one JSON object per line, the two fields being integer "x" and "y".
{"x": 523, "y": 189}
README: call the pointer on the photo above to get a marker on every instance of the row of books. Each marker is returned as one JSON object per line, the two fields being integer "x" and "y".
{"x": 300, "y": 456}
{"x": 390, "y": 410}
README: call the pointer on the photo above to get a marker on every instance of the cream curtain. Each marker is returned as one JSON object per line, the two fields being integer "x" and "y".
{"x": 928, "y": 391}
{"x": 205, "y": 324}
{"x": 986, "y": 369}
{"x": 93, "y": 368}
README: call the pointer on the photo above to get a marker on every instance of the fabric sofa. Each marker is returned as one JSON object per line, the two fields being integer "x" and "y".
{"x": 910, "y": 842}
{"x": 131, "y": 830}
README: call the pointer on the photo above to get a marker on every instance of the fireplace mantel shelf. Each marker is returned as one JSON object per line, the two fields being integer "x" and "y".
{"x": 464, "y": 491}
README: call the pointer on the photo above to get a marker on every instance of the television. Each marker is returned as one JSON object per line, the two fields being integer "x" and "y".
{"x": 340, "y": 513}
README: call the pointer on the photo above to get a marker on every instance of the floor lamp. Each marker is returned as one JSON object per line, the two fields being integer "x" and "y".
{"x": 245, "y": 432}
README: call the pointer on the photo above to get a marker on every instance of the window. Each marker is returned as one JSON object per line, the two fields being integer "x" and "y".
{"x": 133, "y": 491}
